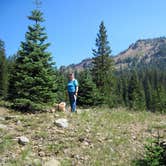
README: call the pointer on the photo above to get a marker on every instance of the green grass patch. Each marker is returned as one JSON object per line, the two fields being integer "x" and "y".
{"x": 6, "y": 143}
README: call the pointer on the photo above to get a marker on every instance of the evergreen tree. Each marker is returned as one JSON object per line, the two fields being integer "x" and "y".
{"x": 162, "y": 93}
{"x": 147, "y": 91}
{"x": 62, "y": 90}
{"x": 124, "y": 91}
{"x": 11, "y": 70}
{"x": 155, "y": 89}
{"x": 135, "y": 93}
{"x": 119, "y": 92}
{"x": 158, "y": 100}
{"x": 3, "y": 72}
{"x": 33, "y": 80}
{"x": 146, "y": 81}
{"x": 88, "y": 93}
{"x": 11, "y": 62}
{"x": 155, "y": 100}
{"x": 102, "y": 64}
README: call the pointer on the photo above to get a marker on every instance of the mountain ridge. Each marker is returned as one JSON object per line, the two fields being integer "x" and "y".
{"x": 142, "y": 52}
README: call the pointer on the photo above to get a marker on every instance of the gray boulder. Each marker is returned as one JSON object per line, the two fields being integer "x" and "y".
{"x": 62, "y": 123}
{"x": 52, "y": 162}
{"x": 23, "y": 140}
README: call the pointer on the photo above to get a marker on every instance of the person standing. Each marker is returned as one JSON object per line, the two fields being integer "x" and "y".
{"x": 72, "y": 88}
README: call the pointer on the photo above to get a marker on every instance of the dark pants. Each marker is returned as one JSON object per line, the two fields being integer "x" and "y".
{"x": 72, "y": 99}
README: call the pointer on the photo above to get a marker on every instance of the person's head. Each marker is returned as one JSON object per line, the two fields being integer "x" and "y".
{"x": 71, "y": 76}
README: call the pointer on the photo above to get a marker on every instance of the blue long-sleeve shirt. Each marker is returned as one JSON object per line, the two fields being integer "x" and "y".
{"x": 71, "y": 86}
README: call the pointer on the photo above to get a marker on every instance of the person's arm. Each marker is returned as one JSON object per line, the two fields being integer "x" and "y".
{"x": 76, "y": 87}
{"x": 76, "y": 92}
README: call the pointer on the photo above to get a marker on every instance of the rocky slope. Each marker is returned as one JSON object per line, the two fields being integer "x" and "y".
{"x": 149, "y": 51}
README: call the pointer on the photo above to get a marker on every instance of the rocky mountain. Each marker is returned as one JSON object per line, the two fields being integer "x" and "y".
{"x": 141, "y": 53}
{"x": 84, "y": 64}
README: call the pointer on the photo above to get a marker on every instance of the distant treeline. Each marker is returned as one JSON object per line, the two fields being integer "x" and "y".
{"x": 138, "y": 90}
{"x": 142, "y": 89}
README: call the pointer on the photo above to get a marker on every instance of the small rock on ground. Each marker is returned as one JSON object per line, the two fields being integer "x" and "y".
{"x": 3, "y": 126}
{"x": 52, "y": 162}
{"x": 62, "y": 123}
{"x": 2, "y": 118}
{"x": 23, "y": 140}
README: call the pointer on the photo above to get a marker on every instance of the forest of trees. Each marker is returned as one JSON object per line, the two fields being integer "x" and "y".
{"x": 30, "y": 80}
{"x": 140, "y": 90}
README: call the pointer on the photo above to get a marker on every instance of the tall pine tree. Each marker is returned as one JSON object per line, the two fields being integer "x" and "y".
{"x": 102, "y": 64}
{"x": 124, "y": 90}
{"x": 33, "y": 80}
{"x": 3, "y": 72}
{"x": 148, "y": 92}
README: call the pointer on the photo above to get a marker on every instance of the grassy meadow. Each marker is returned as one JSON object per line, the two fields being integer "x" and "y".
{"x": 94, "y": 137}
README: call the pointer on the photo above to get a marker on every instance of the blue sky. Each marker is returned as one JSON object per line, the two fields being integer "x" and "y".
{"x": 72, "y": 25}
